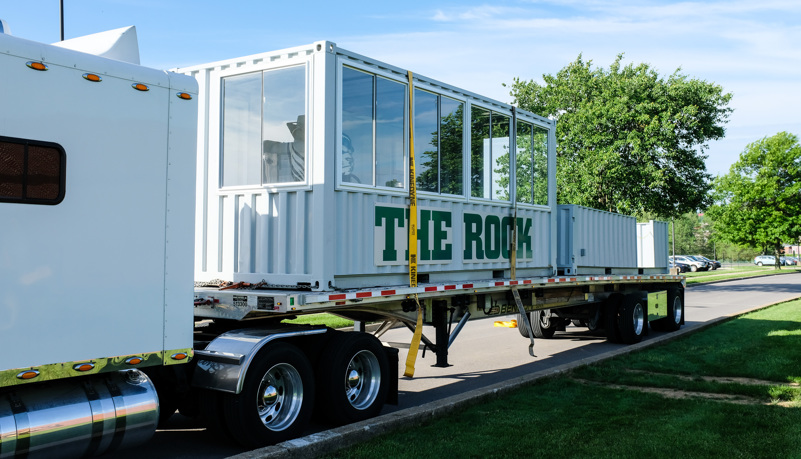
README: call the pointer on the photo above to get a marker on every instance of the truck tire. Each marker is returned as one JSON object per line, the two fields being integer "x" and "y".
{"x": 632, "y": 319}
{"x": 277, "y": 397}
{"x": 543, "y": 327}
{"x": 610, "y": 315}
{"x": 352, "y": 378}
{"x": 675, "y": 311}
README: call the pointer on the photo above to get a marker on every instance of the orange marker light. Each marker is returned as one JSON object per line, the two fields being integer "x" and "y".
{"x": 36, "y": 65}
{"x": 92, "y": 77}
{"x": 133, "y": 360}
{"x": 83, "y": 366}
{"x": 184, "y": 96}
{"x": 179, "y": 356}
{"x": 140, "y": 87}
{"x": 30, "y": 374}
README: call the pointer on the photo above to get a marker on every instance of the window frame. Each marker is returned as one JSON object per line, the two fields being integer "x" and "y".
{"x": 62, "y": 179}
{"x": 236, "y": 72}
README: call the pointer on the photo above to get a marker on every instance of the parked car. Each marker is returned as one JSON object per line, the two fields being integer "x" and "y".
{"x": 683, "y": 267}
{"x": 793, "y": 261}
{"x": 695, "y": 265}
{"x": 713, "y": 264}
{"x": 766, "y": 260}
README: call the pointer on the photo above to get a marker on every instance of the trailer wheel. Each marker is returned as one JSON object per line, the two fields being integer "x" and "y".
{"x": 277, "y": 397}
{"x": 632, "y": 319}
{"x": 353, "y": 378}
{"x": 675, "y": 312}
{"x": 610, "y": 312}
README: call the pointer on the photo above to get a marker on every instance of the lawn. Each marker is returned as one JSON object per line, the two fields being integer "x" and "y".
{"x": 728, "y": 391}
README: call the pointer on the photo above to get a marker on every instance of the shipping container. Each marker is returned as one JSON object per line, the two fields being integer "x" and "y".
{"x": 304, "y": 181}
{"x": 592, "y": 241}
{"x": 652, "y": 246}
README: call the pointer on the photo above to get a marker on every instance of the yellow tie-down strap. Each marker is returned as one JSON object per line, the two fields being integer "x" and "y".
{"x": 418, "y": 329}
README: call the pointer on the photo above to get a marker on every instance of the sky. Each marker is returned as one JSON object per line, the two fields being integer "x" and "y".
{"x": 751, "y": 49}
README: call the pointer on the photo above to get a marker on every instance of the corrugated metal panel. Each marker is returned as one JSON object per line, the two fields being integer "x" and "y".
{"x": 591, "y": 238}
{"x": 652, "y": 244}
{"x": 359, "y": 261}
{"x": 321, "y": 233}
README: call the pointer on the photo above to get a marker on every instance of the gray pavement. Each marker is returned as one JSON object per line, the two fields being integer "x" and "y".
{"x": 706, "y": 305}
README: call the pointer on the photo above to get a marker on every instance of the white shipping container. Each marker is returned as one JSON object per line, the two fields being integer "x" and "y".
{"x": 303, "y": 175}
{"x": 592, "y": 241}
{"x": 652, "y": 245}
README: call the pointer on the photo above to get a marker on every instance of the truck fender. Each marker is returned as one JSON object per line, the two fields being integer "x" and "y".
{"x": 222, "y": 366}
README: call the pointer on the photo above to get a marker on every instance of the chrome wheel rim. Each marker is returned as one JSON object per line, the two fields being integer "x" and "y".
{"x": 639, "y": 319}
{"x": 280, "y": 397}
{"x": 362, "y": 380}
{"x": 677, "y": 310}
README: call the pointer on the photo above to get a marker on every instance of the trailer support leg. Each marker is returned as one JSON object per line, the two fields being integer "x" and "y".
{"x": 525, "y": 319}
{"x": 439, "y": 316}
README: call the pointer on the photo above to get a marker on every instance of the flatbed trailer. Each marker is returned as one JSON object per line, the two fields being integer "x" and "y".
{"x": 116, "y": 179}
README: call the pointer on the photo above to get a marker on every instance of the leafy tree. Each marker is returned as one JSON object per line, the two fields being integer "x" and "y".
{"x": 628, "y": 140}
{"x": 759, "y": 200}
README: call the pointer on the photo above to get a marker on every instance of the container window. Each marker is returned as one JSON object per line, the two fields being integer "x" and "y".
{"x": 31, "y": 172}
{"x": 438, "y": 145}
{"x": 489, "y": 151}
{"x": 264, "y": 128}
{"x": 373, "y": 121}
{"x": 532, "y": 164}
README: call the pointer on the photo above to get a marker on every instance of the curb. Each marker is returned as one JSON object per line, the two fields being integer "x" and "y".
{"x": 338, "y": 438}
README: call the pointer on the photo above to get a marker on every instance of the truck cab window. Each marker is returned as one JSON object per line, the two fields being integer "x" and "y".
{"x": 31, "y": 172}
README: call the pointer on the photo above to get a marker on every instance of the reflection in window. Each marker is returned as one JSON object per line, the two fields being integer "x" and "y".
{"x": 489, "y": 150}
{"x": 438, "y": 148}
{"x": 264, "y": 121}
{"x": 373, "y": 110}
{"x": 532, "y": 164}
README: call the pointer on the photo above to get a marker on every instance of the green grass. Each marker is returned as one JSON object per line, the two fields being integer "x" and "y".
{"x": 566, "y": 417}
{"x": 735, "y": 273}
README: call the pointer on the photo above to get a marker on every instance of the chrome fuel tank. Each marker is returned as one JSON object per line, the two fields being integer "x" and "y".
{"x": 78, "y": 417}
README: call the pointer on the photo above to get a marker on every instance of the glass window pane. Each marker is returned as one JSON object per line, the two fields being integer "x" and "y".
{"x": 44, "y": 173}
{"x": 284, "y": 125}
{"x": 241, "y": 130}
{"x": 12, "y": 169}
{"x": 540, "y": 166}
{"x": 523, "y": 163}
{"x": 500, "y": 156}
{"x": 357, "y": 126}
{"x": 426, "y": 141}
{"x": 390, "y": 108}
{"x": 480, "y": 152}
{"x": 451, "y": 146}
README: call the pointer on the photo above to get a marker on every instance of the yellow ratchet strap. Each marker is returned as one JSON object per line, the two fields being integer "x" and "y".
{"x": 418, "y": 329}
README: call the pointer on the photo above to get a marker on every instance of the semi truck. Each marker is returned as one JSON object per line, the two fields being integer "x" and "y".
{"x": 159, "y": 228}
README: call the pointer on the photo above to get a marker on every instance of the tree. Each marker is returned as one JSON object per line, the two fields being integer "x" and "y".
{"x": 628, "y": 140}
{"x": 759, "y": 200}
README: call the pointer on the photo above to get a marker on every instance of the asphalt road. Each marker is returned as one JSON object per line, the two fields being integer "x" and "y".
{"x": 483, "y": 355}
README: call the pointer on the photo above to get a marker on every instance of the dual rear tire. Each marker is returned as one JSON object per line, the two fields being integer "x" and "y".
{"x": 281, "y": 390}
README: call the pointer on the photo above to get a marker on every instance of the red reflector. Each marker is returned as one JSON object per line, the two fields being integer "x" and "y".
{"x": 431, "y": 289}
{"x": 364, "y": 294}
{"x": 336, "y": 297}
{"x": 387, "y": 292}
